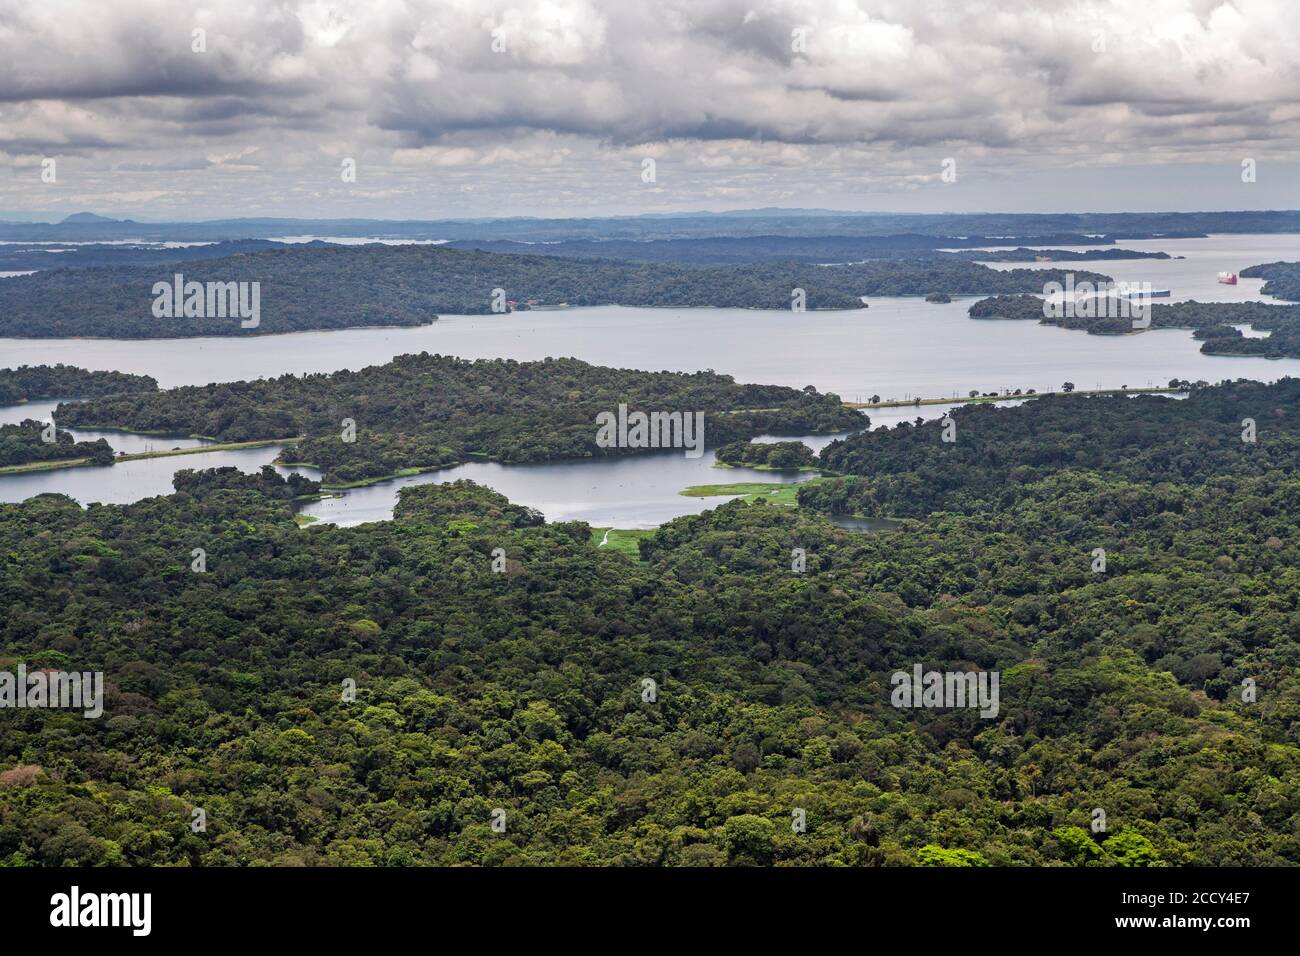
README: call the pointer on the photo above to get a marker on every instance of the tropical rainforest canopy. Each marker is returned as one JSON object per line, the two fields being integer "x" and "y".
{"x": 321, "y": 286}
{"x": 380, "y": 694}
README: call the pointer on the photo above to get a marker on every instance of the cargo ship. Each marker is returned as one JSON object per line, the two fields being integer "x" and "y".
{"x": 1228, "y": 278}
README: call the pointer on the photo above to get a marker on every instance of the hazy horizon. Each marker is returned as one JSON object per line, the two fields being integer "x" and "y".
{"x": 54, "y": 218}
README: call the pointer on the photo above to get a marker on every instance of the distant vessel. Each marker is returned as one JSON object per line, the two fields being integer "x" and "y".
{"x": 1153, "y": 294}
{"x": 1228, "y": 278}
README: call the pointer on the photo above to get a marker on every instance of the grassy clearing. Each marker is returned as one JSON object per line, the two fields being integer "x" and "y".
{"x": 774, "y": 492}
{"x": 622, "y": 540}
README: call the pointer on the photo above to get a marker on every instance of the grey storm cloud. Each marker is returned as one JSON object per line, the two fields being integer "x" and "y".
{"x": 725, "y": 84}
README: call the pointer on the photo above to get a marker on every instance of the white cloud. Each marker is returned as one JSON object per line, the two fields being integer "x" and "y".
{"x": 804, "y": 90}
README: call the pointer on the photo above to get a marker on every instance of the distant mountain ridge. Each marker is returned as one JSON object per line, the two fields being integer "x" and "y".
{"x": 90, "y": 226}
{"x": 83, "y": 217}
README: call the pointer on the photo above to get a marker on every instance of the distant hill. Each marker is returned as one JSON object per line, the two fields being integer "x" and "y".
{"x": 337, "y": 287}
{"x": 743, "y": 223}
{"x": 81, "y": 217}
{"x": 55, "y": 255}
{"x": 815, "y": 249}
{"x": 52, "y": 254}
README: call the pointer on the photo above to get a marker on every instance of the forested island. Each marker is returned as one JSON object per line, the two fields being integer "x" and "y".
{"x": 778, "y": 456}
{"x": 523, "y": 690}
{"x": 424, "y": 411}
{"x": 25, "y": 444}
{"x": 720, "y": 250}
{"x": 267, "y": 482}
{"x": 321, "y": 286}
{"x": 1213, "y": 323}
{"x": 819, "y": 249}
{"x": 1282, "y": 279}
{"x": 29, "y": 383}
{"x": 1039, "y": 254}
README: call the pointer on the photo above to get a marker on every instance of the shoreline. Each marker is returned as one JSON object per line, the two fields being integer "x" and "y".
{"x": 33, "y": 466}
{"x": 141, "y": 455}
{"x": 1014, "y": 398}
{"x": 201, "y": 449}
{"x": 800, "y": 468}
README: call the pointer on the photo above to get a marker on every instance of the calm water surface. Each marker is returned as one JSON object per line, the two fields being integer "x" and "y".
{"x": 897, "y": 348}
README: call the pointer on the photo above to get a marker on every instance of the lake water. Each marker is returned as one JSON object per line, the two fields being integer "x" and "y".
{"x": 125, "y": 481}
{"x": 128, "y": 442}
{"x": 632, "y": 492}
{"x": 897, "y": 348}
{"x": 1196, "y": 275}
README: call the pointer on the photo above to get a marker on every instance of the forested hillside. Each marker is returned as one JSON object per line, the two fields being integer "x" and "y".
{"x": 322, "y": 286}
{"x": 523, "y": 691}
{"x": 909, "y": 470}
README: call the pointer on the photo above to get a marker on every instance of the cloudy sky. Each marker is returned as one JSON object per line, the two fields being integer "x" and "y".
{"x": 453, "y": 108}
